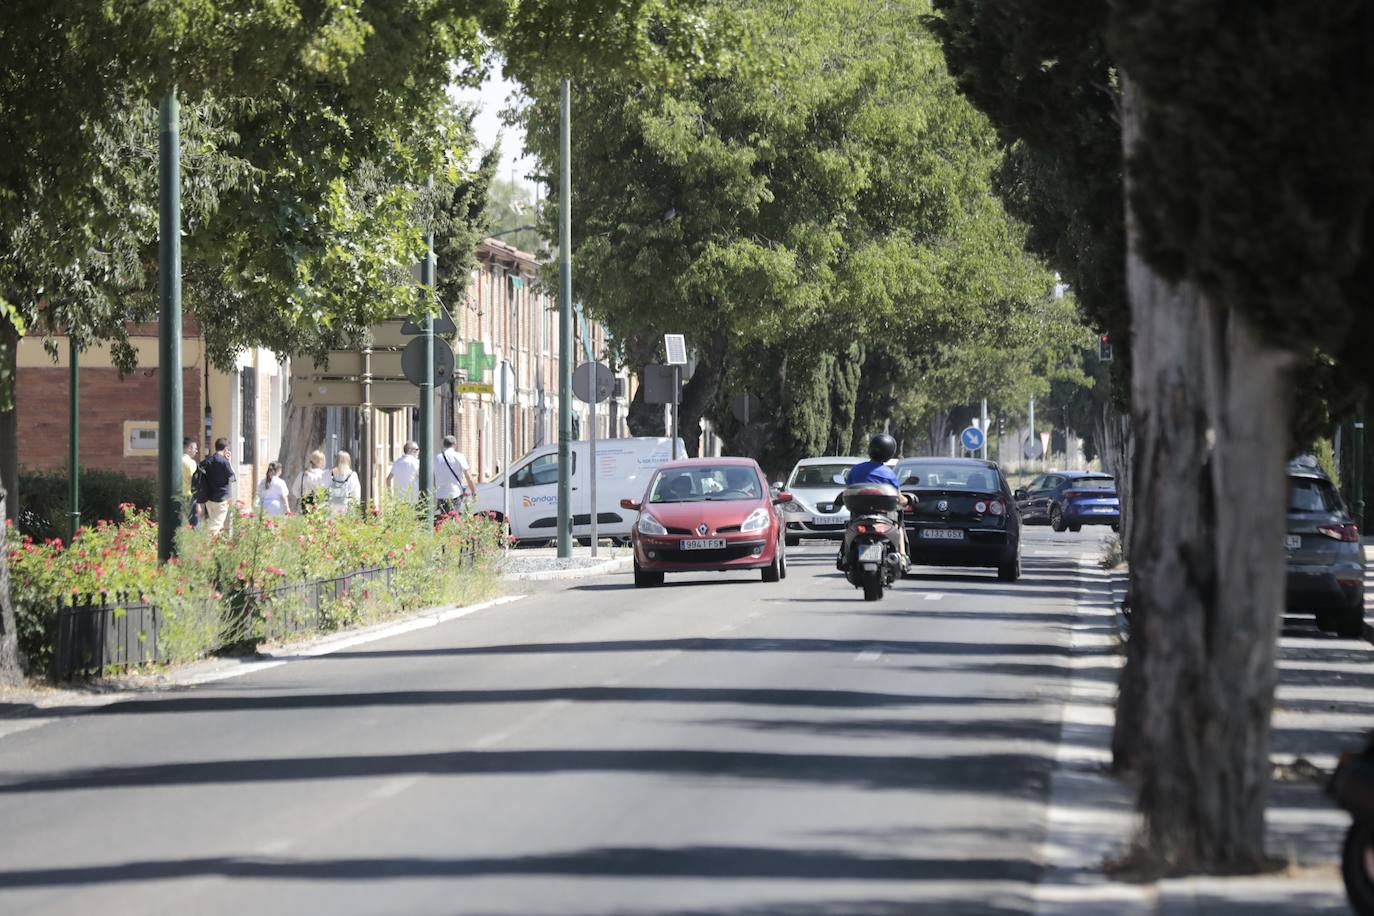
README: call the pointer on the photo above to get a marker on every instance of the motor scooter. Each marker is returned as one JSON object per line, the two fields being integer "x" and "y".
{"x": 871, "y": 557}
{"x": 1352, "y": 788}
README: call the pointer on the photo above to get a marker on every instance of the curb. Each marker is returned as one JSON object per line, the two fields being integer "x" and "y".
{"x": 607, "y": 567}
{"x": 211, "y": 671}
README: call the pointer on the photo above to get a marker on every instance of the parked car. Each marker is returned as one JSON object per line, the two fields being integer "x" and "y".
{"x": 814, "y": 484}
{"x": 1326, "y": 561}
{"x": 622, "y": 468}
{"x": 964, "y": 515}
{"x": 1069, "y": 500}
{"x": 705, "y": 514}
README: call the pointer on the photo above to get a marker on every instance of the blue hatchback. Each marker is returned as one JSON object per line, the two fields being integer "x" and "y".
{"x": 1069, "y": 500}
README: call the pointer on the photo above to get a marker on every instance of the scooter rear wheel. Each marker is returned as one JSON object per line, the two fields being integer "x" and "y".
{"x": 1357, "y": 867}
{"x": 873, "y": 584}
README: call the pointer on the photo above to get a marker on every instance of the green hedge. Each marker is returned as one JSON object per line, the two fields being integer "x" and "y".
{"x": 43, "y": 503}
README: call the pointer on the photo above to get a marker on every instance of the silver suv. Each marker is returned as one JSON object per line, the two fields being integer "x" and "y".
{"x": 1325, "y": 557}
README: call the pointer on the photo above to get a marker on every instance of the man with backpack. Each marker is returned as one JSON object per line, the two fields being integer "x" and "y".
{"x": 452, "y": 479}
{"x": 215, "y": 474}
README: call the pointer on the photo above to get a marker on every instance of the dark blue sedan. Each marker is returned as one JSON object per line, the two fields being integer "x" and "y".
{"x": 1069, "y": 500}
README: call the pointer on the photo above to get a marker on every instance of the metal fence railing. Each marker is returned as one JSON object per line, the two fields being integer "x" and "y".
{"x": 94, "y": 634}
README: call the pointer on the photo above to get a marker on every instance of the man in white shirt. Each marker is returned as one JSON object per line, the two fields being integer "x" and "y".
{"x": 452, "y": 479}
{"x": 404, "y": 479}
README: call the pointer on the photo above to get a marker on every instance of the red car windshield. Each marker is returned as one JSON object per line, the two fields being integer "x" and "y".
{"x": 685, "y": 485}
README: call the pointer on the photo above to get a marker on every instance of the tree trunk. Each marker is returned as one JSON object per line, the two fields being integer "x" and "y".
{"x": 302, "y": 432}
{"x": 11, "y": 673}
{"x": 9, "y": 420}
{"x": 1210, "y": 425}
{"x": 701, "y": 389}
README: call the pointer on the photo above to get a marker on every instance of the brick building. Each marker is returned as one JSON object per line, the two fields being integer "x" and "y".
{"x": 119, "y": 416}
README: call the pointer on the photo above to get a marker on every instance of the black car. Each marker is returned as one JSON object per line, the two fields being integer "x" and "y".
{"x": 964, "y": 515}
{"x": 1070, "y": 500}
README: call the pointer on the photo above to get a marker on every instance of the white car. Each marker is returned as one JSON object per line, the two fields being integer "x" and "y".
{"x": 623, "y": 469}
{"x": 814, "y": 483}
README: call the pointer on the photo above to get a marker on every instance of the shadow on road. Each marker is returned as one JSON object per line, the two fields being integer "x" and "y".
{"x": 198, "y": 702}
{"x": 729, "y": 862}
{"x": 1022, "y": 775}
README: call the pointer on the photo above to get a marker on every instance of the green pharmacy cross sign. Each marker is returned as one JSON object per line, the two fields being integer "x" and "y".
{"x": 475, "y": 362}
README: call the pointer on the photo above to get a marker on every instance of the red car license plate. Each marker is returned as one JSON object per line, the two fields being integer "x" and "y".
{"x": 703, "y": 544}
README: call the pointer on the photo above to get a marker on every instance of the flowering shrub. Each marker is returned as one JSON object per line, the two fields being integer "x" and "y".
{"x": 250, "y": 582}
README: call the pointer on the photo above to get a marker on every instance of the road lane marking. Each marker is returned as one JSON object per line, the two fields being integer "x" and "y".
{"x": 934, "y": 596}
{"x": 275, "y": 847}
{"x": 393, "y": 787}
{"x": 870, "y": 654}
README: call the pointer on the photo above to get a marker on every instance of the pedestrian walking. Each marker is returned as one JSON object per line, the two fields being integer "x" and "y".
{"x": 452, "y": 479}
{"x": 344, "y": 486}
{"x": 310, "y": 482}
{"x": 403, "y": 482}
{"x": 273, "y": 496}
{"x": 216, "y": 473}
{"x": 190, "y": 448}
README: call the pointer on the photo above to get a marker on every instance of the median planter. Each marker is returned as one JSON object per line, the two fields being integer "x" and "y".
{"x": 103, "y": 604}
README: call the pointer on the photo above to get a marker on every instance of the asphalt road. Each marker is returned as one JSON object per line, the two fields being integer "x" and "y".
{"x": 717, "y": 746}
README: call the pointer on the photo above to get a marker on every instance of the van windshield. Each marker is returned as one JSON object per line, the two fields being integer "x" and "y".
{"x": 685, "y": 485}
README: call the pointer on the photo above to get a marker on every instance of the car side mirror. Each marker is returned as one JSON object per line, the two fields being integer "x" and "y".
{"x": 1020, "y": 493}
{"x": 778, "y": 486}
{"x": 631, "y": 504}
{"x": 841, "y": 479}
{"x": 782, "y": 498}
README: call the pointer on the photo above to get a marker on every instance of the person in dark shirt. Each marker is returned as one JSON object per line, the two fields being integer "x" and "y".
{"x": 218, "y": 472}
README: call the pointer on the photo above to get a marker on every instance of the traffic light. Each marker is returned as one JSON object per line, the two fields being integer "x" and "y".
{"x": 1104, "y": 349}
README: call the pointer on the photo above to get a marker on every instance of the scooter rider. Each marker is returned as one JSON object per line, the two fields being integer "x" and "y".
{"x": 882, "y": 448}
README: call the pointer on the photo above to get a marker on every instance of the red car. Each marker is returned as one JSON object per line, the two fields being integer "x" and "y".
{"x": 708, "y": 514}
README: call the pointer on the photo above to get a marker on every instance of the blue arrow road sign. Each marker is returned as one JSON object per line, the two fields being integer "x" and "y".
{"x": 972, "y": 438}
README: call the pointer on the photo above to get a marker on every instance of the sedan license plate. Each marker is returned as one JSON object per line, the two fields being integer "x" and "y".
{"x": 1293, "y": 541}
{"x": 871, "y": 553}
{"x": 827, "y": 519}
{"x": 942, "y": 534}
{"x": 703, "y": 544}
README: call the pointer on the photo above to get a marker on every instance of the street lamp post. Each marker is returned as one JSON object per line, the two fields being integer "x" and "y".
{"x": 169, "y": 508}
{"x": 427, "y": 377}
{"x": 565, "y": 326}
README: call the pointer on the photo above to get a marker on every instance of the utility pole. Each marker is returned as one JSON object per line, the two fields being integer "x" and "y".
{"x": 1357, "y": 484}
{"x": 983, "y": 425}
{"x": 427, "y": 378}
{"x": 565, "y": 325}
{"x": 74, "y": 459}
{"x": 169, "y": 508}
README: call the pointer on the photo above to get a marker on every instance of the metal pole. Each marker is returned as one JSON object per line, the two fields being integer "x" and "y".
{"x": 1032, "y": 422}
{"x": 169, "y": 508}
{"x": 74, "y": 459}
{"x": 367, "y": 434}
{"x": 677, "y": 396}
{"x": 983, "y": 425}
{"x": 427, "y": 380}
{"x": 591, "y": 461}
{"x": 565, "y": 324}
{"x": 1357, "y": 490}
{"x": 505, "y": 486}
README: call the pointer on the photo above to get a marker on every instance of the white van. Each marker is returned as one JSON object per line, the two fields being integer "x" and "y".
{"x": 623, "y": 469}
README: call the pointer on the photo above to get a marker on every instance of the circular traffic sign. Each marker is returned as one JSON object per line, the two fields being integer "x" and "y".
{"x": 972, "y": 438}
{"x": 413, "y": 362}
{"x": 1033, "y": 449}
{"x": 582, "y": 382}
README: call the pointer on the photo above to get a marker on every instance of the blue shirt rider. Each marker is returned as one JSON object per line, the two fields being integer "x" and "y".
{"x": 871, "y": 472}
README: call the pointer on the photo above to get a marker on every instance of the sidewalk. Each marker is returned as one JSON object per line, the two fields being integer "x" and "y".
{"x": 1324, "y": 705}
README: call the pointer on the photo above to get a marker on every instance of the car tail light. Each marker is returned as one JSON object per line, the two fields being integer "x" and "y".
{"x": 996, "y": 507}
{"x": 1071, "y": 495}
{"x": 980, "y": 507}
{"x": 1341, "y": 532}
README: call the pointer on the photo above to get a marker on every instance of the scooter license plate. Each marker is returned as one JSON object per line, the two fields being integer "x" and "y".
{"x": 871, "y": 553}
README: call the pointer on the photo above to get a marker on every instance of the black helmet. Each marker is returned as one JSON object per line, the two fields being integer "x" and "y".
{"x": 882, "y": 447}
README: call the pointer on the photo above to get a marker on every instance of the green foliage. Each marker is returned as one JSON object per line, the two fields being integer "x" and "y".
{"x": 823, "y": 202}
{"x": 1042, "y": 74}
{"x": 103, "y": 497}
{"x": 1254, "y": 172}
{"x": 510, "y": 206}
{"x": 238, "y": 587}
